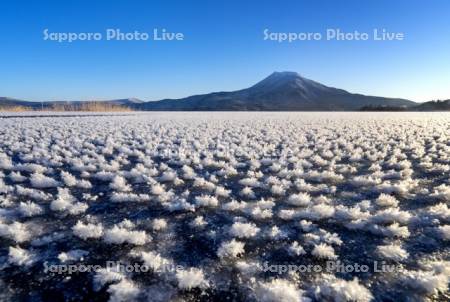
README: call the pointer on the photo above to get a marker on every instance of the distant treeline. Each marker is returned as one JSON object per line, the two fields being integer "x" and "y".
{"x": 383, "y": 108}
{"x": 82, "y": 106}
{"x": 15, "y": 108}
{"x": 427, "y": 106}
{"x": 435, "y": 106}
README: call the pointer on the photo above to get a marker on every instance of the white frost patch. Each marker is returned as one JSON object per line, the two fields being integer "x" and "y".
{"x": 340, "y": 290}
{"x": 385, "y": 200}
{"x": 129, "y": 197}
{"x": 206, "y": 201}
{"x": 279, "y": 290}
{"x": 71, "y": 181}
{"x": 391, "y": 215}
{"x": 17, "y": 177}
{"x": 442, "y": 192}
{"x": 275, "y": 233}
{"x": 67, "y": 203}
{"x": 318, "y": 212}
{"x": 444, "y": 232}
{"x": 19, "y": 256}
{"x": 30, "y": 209}
{"x": 296, "y": 249}
{"x": 426, "y": 282}
{"x": 126, "y": 223}
{"x": 159, "y": 224}
{"x": 247, "y": 192}
{"x": 392, "y": 252}
{"x": 395, "y": 230}
{"x": 32, "y": 193}
{"x": 15, "y": 231}
{"x": 86, "y": 231}
{"x": 41, "y": 181}
{"x": 222, "y": 192}
{"x": 105, "y": 276}
{"x": 440, "y": 210}
{"x": 72, "y": 255}
{"x": 168, "y": 176}
{"x": 231, "y": 249}
{"x": 234, "y": 205}
{"x": 244, "y": 230}
{"x": 5, "y": 162}
{"x": 68, "y": 179}
{"x": 120, "y": 235}
{"x": 125, "y": 290}
{"x": 248, "y": 269}
{"x": 120, "y": 184}
{"x": 3, "y": 187}
{"x": 157, "y": 189}
{"x": 155, "y": 261}
{"x": 198, "y": 222}
{"x": 188, "y": 279}
{"x": 299, "y": 200}
{"x": 323, "y": 251}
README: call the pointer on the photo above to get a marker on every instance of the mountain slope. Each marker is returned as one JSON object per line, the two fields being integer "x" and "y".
{"x": 281, "y": 91}
{"x": 6, "y": 102}
{"x": 124, "y": 102}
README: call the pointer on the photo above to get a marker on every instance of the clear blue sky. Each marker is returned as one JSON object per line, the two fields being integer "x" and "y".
{"x": 223, "y": 48}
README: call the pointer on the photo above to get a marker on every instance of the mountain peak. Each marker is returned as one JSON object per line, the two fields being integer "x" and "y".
{"x": 288, "y": 80}
{"x": 283, "y": 75}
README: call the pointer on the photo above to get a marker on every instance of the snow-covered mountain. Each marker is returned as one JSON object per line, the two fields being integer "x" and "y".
{"x": 281, "y": 91}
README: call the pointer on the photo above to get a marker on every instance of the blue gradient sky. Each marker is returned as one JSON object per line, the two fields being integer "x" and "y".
{"x": 223, "y": 48}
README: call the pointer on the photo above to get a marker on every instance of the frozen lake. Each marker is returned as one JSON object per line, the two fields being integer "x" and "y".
{"x": 229, "y": 206}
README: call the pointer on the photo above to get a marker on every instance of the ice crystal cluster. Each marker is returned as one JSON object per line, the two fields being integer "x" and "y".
{"x": 222, "y": 199}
